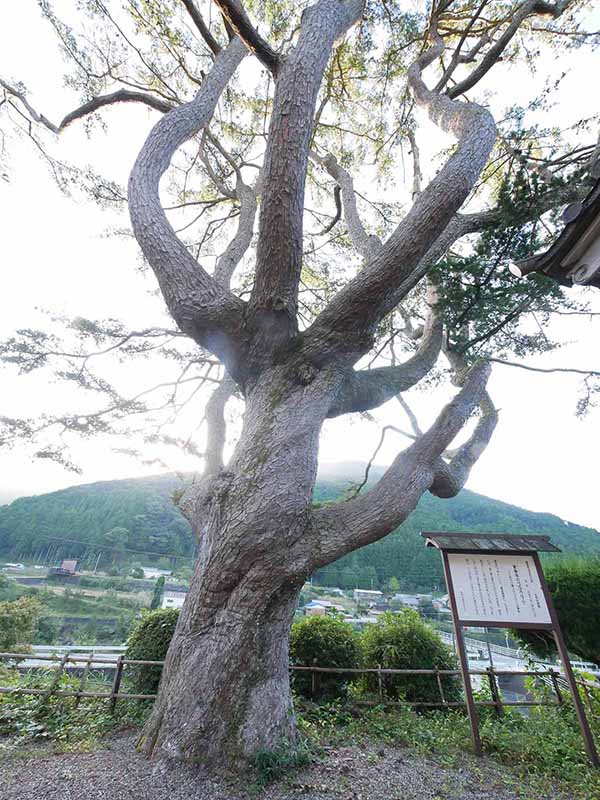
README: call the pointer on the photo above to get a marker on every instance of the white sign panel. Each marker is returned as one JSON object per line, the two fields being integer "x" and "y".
{"x": 497, "y": 588}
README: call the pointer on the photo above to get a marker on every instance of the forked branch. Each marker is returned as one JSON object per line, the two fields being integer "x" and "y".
{"x": 235, "y": 14}
{"x": 347, "y": 324}
{"x": 366, "y": 389}
{"x": 343, "y": 527}
{"x": 202, "y": 308}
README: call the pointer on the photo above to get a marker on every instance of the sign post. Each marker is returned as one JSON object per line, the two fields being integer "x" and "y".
{"x": 496, "y": 580}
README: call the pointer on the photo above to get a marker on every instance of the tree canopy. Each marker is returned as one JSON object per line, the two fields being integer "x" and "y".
{"x": 366, "y": 123}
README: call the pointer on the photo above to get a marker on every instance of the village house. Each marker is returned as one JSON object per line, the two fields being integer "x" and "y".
{"x": 173, "y": 598}
{"x": 367, "y": 596}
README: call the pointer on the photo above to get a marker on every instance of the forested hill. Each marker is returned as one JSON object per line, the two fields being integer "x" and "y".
{"x": 112, "y": 518}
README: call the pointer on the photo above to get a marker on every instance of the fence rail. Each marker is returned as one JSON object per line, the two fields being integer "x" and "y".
{"x": 550, "y": 677}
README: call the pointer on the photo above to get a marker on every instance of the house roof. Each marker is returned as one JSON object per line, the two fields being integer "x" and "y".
{"x": 488, "y": 542}
{"x": 174, "y": 593}
{"x": 581, "y": 230}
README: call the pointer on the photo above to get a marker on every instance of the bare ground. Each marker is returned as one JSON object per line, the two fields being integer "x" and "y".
{"x": 117, "y": 772}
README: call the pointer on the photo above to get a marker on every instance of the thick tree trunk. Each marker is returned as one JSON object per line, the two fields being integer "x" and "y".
{"x": 225, "y": 690}
{"x": 225, "y": 693}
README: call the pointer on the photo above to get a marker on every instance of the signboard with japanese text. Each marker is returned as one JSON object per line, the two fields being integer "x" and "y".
{"x": 498, "y": 588}
{"x": 496, "y": 580}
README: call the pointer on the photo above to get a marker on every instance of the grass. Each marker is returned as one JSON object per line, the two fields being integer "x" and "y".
{"x": 544, "y": 751}
{"x": 535, "y": 756}
{"x": 27, "y": 720}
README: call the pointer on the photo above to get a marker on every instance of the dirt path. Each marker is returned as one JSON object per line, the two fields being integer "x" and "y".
{"x": 117, "y": 772}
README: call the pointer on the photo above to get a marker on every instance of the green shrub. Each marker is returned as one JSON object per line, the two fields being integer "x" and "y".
{"x": 404, "y": 641}
{"x": 18, "y": 623}
{"x": 149, "y": 641}
{"x": 325, "y": 642}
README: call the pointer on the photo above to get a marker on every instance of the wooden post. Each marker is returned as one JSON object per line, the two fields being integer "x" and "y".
{"x": 440, "y": 687}
{"x": 56, "y": 678}
{"x": 463, "y": 660}
{"x": 116, "y": 684}
{"x": 84, "y": 677}
{"x": 495, "y": 691}
{"x": 313, "y": 680}
{"x": 379, "y": 683}
{"x": 555, "y": 684}
{"x": 588, "y": 737}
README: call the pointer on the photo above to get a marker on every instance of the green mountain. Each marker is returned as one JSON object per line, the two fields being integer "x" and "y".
{"x": 135, "y": 521}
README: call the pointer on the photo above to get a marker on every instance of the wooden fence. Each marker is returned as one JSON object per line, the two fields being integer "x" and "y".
{"x": 551, "y": 678}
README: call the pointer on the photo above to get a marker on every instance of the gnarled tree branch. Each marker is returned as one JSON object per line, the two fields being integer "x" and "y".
{"x": 366, "y": 244}
{"x": 451, "y": 477}
{"x": 235, "y": 14}
{"x": 120, "y": 96}
{"x": 202, "y": 309}
{"x": 346, "y": 325}
{"x": 228, "y": 261}
{"x": 343, "y": 527}
{"x": 371, "y": 388}
{"x": 273, "y": 304}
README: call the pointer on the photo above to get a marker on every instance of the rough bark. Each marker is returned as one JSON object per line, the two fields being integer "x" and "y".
{"x": 274, "y": 300}
{"x": 204, "y": 310}
{"x": 345, "y": 327}
{"x": 225, "y": 692}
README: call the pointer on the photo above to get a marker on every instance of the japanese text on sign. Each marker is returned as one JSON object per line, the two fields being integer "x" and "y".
{"x": 498, "y": 588}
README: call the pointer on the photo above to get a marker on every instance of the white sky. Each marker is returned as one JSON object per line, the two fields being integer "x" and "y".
{"x": 54, "y": 256}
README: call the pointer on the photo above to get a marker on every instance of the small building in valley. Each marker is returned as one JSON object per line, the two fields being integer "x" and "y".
{"x": 67, "y": 568}
{"x": 367, "y": 596}
{"x": 410, "y": 600}
{"x": 153, "y": 573}
{"x": 173, "y": 599}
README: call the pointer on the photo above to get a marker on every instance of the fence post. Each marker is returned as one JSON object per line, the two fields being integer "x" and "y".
{"x": 84, "y": 677}
{"x": 379, "y": 683}
{"x": 56, "y": 678}
{"x": 440, "y": 687}
{"x": 313, "y": 680}
{"x": 586, "y": 691}
{"x": 116, "y": 684}
{"x": 495, "y": 691}
{"x": 557, "y": 691}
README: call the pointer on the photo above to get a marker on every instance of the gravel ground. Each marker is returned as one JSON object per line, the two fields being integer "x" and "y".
{"x": 117, "y": 772}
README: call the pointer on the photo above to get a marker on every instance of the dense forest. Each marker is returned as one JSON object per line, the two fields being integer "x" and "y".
{"x": 136, "y": 521}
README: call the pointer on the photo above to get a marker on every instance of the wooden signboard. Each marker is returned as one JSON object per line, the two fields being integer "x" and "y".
{"x": 496, "y": 580}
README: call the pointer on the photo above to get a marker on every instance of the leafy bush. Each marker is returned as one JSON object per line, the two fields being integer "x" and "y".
{"x": 18, "y": 623}
{"x": 149, "y": 641}
{"x": 325, "y": 642}
{"x": 405, "y": 641}
{"x": 574, "y": 584}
